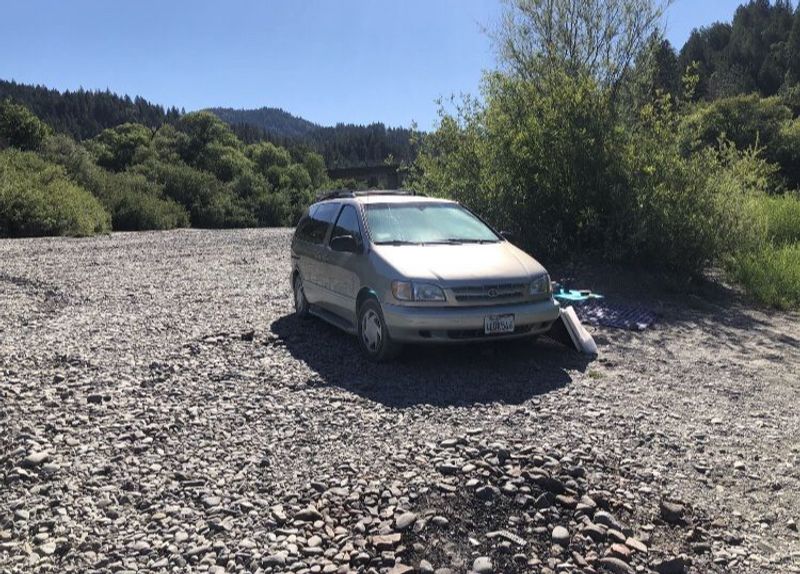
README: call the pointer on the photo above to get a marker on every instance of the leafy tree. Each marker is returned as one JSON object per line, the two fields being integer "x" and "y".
{"x": 203, "y": 129}
{"x": 793, "y": 51}
{"x": 601, "y": 38}
{"x": 753, "y": 53}
{"x": 20, "y": 128}
{"x": 116, "y": 148}
{"x": 265, "y": 155}
{"x": 666, "y": 73}
{"x": 315, "y": 167}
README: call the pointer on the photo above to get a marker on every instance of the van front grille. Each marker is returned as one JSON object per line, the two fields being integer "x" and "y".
{"x": 498, "y": 293}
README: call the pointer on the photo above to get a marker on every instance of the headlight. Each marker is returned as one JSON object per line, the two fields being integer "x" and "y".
{"x": 540, "y": 285}
{"x": 410, "y": 291}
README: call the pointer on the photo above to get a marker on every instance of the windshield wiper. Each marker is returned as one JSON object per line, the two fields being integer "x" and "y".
{"x": 397, "y": 242}
{"x": 456, "y": 241}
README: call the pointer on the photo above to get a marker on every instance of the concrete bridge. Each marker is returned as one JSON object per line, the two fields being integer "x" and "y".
{"x": 386, "y": 176}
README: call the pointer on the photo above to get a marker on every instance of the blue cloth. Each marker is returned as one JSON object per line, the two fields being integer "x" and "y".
{"x": 575, "y": 296}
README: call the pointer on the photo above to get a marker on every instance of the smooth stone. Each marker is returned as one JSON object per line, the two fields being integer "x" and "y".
{"x": 560, "y": 536}
{"x": 483, "y": 565}
{"x": 405, "y": 520}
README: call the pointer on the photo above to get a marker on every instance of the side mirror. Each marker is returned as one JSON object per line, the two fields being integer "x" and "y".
{"x": 507, "y": 235}
{"x": 346, "y": 244}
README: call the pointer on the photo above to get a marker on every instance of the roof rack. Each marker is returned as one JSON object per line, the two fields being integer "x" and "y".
{"x": 333, "y": 194}
{"x": 340, "y": 193}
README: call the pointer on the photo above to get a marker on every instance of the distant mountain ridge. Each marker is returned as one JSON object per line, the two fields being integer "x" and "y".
{"x": 342, "y": 145}
{"x": 272, "y": 120}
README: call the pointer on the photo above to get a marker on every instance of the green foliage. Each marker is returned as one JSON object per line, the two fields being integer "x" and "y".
{"x": 116, "y": 148}
{"x": 749, "y": 122}
{"x": 202, "y": 130}
{"x": 315, "y": 168}
{"x": 560, "y": 170}
{"x": 539, "y": 40}
{"x": 265, "y": 155}
{"x": 785, "y": 151}
{"x": 746, "y": 121}
{"x": 757, "y": 52}
{"x": 778, "y": 218}
{"x": 137, "y": 203}
{"x": 84, "y": 114}
{"x": 771, "y": 274}
{"x": 37, "y": 198}
{"x": 134, "y": 201}
{"x": 19, "y": 128}
{"x": 199, "y": 192}
{"x": 665, "y": 72}
{"x": 194, "y": 172}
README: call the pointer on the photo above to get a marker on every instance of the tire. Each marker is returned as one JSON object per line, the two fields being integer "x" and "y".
{"x": 373, "y": 334}
{"x": 300, "y": 301}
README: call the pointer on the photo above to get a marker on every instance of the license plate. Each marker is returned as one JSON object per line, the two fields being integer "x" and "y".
{"x": 498, "y": 324}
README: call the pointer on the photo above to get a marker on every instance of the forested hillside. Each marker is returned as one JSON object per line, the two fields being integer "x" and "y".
{"x": 83, "y": 114}
{"x": 342, "y": 145}
{"x": 273, "y": 121}
{"x": 758, "y": 51}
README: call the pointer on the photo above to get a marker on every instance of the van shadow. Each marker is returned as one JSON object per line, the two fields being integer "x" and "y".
{"x": 440, "y": 376}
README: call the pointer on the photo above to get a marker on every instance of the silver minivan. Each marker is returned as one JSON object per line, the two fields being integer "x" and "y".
{"x": 394, "y": 267}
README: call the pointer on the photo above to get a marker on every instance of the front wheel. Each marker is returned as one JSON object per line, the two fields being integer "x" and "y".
{"x": 300, "y": 301}
{"x": 373, "y": 335}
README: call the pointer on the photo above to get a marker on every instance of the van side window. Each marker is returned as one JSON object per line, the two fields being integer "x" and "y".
{"x": 315, "y": 227}
{"x": 347, "y": 224}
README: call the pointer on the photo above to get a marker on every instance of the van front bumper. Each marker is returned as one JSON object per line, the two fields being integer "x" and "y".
{"x": 463, "y": 324}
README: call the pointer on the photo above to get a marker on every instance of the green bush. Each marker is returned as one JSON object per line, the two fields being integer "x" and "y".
{"x": 749, "y": 122}
{"x": 538, "y": 164}
{"x": 785, "y": 152}
{"x": 221, "y": 210}
{"x": 37, "y": 198}
{"x": 685, "y": 213}
{"x": 562, "y": 171}
{"x": 20, "y": 128}
{"x": 770, "y": 274}
{"x": 746, "y": 121}
{"x": 143, "y": 212}
{"x": 136, "y": 203}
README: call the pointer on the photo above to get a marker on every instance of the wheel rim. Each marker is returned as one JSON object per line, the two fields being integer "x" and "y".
{"x": 299, "y": 296}
{"x": 371, "y": 331}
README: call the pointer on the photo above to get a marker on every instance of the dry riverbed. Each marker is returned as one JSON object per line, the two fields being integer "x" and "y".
{"x": 162, "y": 410}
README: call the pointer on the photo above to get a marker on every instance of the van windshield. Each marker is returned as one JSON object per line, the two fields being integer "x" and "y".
{"x": 425, "y": 223}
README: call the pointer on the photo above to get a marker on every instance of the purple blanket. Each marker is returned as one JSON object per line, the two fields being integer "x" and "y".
{"x": 600, "y": 312}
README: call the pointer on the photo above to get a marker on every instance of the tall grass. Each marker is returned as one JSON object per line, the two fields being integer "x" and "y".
{"x": 780, "y": 217}
{"x": 770, "y": 274}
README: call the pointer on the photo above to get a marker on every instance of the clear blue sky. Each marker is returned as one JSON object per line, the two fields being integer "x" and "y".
{"x": 326, "y": 60}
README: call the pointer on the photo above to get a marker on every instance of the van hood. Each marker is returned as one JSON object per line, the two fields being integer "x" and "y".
{"x": 460, "y": 263}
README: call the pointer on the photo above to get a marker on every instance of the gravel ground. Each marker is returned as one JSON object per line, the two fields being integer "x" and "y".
{"x": 162, "y": 410}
